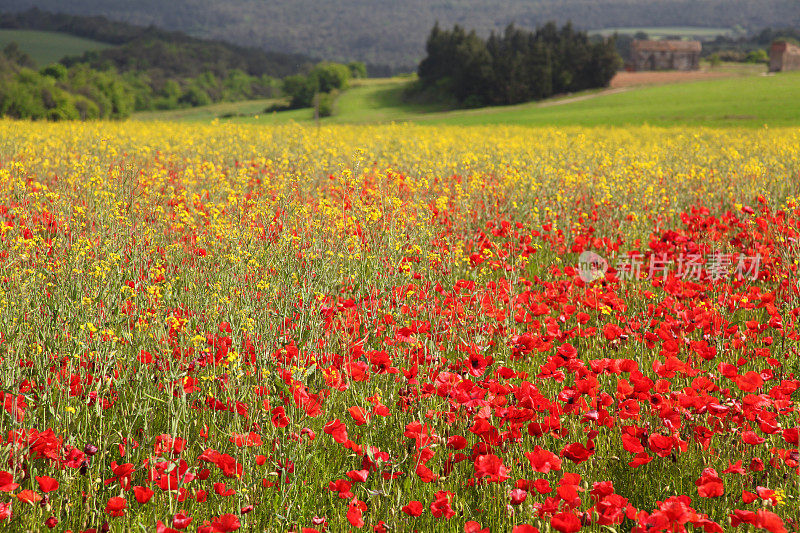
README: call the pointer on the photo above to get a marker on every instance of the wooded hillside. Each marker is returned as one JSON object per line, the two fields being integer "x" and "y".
{"x": 394, "y": 31}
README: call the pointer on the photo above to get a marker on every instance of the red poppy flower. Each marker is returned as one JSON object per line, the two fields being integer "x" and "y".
{"x": 162, "y": 528}
{"x": 359, "y": 476}
{"x": 181, "y": 521}
{"x": 7, "y": 482}
{"x": 475, "y": 527}
{"x": 220, "y": 489}
{"x": 225, "y": 523}
{"x": 29, "y": 496}
{"x": 440, "y": 507}
{"x": 749, "y": 437}
{"x": 359, "y": 415}
{"x": 709, "y": 484}
{"x": 142, "y": 494}
{"x": 490, "y": 466}
{"x": 734, "y": 468}
{"x": 542, "y": 486}
{"x": 246, "y": 439}
{"x": 612, "y": 332}
{"x": 355, "y": 513}
{"x": 576, "y": 452}
{"x": 46, "y": 484}
{"x": 456, "y": 442}
{"x": 769, "y": 521}
{"x": 116, "y": 506}
{"x": 337, "y": 430}
{"x": 660, "y": 444}
{"x": 566, "y": 522}
{"x": 413, "y": 508}
{"x": 542, "y": 460}
{"x": 525, "y": 528}
{"x": 517, "y": 496}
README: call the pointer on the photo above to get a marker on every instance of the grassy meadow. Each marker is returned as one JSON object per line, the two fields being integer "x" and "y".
{"x": 746, "y": 98}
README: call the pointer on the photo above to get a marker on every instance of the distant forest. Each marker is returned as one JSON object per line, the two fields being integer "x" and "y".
{"x": 149, "y": 68}
{"x": 393, "y": 32}
{"x": 145, "y": 48}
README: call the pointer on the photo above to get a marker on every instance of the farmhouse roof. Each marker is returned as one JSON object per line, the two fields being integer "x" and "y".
{"x": 667, "y": 46}
{"x": 785, "y": 46}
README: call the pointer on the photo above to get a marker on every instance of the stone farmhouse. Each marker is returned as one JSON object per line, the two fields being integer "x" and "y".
{"x": 665, "y": 55}
{"x": 784, "y": 56}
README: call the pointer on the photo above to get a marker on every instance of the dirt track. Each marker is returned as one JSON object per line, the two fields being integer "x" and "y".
{"x": 571, "y": 99}
{"x": 630, "y": 79}
{"x": 625, "y": 80}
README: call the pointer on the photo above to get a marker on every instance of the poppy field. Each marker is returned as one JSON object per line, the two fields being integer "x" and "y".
{"x": 219, "y": 328}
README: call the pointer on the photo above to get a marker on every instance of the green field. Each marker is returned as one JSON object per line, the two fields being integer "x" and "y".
{"x": 373, "y": 100}
{"x": 661, "y": 32}
{"x": 751, "y": 101}
{"x": 47, "y": 47}
{"x": 206, "y": 113}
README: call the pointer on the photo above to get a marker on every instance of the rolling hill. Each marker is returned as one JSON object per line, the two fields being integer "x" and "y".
{"x": 393, "y": 32}
{"x": 742, "y": 99}
{"x": 47, "y": 47}
{"x": 143, "y": 48}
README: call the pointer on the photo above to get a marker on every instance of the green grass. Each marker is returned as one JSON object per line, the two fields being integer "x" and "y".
{"x": 373, "y": 100}
{"x": 210, "y": 112}
{"x": 746, "y": 100}
{"x": 379, "y": 100}
{"x": 666, "y": 31}
{"x": 47, "y": 47}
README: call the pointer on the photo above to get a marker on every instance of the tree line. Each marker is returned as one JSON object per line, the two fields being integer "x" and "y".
{"x": 749, "y": 48}
{"x": 142, "y": 47}
{"x": 514, "y": 66}
{"x": 154, "y": 68}
{"x": 58, "y": 93}
{"x": 75, "y": 90}
{"x": 148, "y": 69}
{"x": 80, "y": 90}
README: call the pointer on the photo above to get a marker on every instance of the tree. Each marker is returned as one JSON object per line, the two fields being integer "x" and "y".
{"x": 55, "y": 71}
{"x": 326, "y": 77}
{"x": 194, "y": 96}
{"x": 300, "y": 91}
{"x": 358, "y": 70}
{"x": 458, "y": 64}
{"x": 515, "y": 66}
{"x": 757, "y": 56}
{"x": 13, "y": 53}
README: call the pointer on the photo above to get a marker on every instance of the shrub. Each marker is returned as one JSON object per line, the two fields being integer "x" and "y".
{"x": 326, "y": 103}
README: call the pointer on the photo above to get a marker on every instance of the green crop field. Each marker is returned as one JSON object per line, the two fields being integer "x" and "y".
{"x": 751, "y": 101}
{"x": 667, "y": 31}
{"x": 47, "y": 47}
